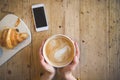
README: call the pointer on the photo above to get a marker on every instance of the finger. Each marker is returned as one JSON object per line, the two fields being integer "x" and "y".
{"x": 46, "y": 66}
{"x": 41, "y": 48}
{"x": 74, "y": 63}
{"x": 41, "y": 57}
{"x": 42, "y": 44}
{"x": 42, "y": 61}
{"x": 77, "y": 49}
{"x": 75, "y": 60}
{"x": 40, "y": 53}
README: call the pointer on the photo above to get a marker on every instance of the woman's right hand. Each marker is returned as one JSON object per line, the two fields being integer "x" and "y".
{"x": 66, "y": 72}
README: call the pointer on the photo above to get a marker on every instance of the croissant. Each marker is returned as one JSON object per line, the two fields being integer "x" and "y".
{"x": 10, "y": 38}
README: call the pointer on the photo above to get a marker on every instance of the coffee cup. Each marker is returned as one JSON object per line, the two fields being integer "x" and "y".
{"x": 59, "y": 50}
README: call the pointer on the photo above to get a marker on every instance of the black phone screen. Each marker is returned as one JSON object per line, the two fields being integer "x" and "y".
{"x": 39, "y": 15}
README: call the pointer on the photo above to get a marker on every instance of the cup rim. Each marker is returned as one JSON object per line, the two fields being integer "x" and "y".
{"x": 44, "y": 54}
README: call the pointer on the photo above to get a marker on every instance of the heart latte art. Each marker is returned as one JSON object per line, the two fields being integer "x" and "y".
{"x": 59, "y": 51}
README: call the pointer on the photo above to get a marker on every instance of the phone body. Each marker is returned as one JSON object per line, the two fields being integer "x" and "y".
{"x": 39, "y": 16}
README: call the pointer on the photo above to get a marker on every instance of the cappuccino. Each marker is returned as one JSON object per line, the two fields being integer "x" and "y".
{"x": 58, "y": 50}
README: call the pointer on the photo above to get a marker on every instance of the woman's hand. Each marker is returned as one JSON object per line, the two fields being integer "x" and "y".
{"x": 66, "y": 72}
{"x": 49, "y": 70}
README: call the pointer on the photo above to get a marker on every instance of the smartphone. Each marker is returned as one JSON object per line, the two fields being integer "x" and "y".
{"x": 39, "y": 16}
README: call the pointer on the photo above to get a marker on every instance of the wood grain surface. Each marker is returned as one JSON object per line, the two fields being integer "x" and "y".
{"x": 94, "y": 24}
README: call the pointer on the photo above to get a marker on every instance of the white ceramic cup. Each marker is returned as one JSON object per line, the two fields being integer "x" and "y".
{"x": 67, "y": 51}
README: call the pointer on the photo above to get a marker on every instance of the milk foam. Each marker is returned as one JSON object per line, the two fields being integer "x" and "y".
{"x": 60, "y": 54}
{"x": 53, "y": 43}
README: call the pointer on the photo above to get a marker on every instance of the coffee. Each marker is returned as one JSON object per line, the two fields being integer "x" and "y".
{"x": 59, "y": 50}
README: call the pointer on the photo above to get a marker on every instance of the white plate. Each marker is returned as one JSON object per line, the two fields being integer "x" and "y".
{"x": 9, "y": 21}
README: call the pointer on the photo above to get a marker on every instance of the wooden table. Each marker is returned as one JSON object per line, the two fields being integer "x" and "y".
{"x": 95, "y": 24}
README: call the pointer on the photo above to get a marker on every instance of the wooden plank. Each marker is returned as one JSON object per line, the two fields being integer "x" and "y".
{"x": 3, "y": 12}
{"x": 37, "y": 38}
{"x": 17, "y": 68}
{"x": 114, "y": 40}
{"x": 54, "y": 11}
{"x": 19, "y": 65}
{"x": 57, "y": 20}
{"x": 72, "y": 28}
{"x": 93, "y": 26}
{"x": 57, "y": 17}
{"x": 3, "y": 71}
